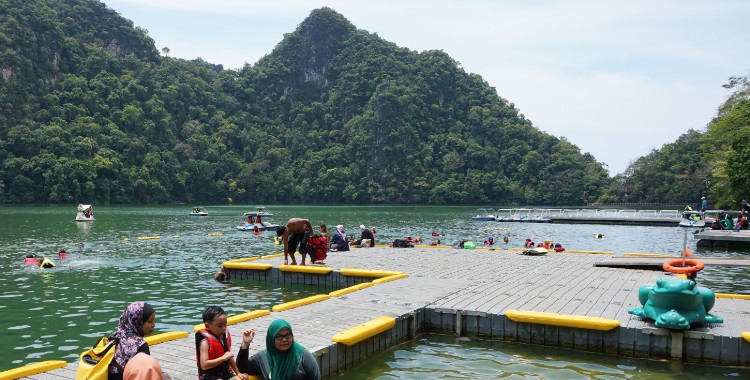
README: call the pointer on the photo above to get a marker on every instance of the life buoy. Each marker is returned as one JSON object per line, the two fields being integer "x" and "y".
{"x": 675, "y": 266}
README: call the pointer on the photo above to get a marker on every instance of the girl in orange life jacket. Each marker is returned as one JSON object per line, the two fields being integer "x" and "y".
{"x": 215, "y": 361}
{"x": 529, "y": 243}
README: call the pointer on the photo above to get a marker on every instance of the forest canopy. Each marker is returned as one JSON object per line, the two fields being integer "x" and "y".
{"x": 91, "y": 112}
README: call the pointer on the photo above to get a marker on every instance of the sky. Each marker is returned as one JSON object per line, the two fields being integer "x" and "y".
{"x": 616, "y": 78}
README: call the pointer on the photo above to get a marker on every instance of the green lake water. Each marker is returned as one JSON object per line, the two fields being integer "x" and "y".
{"x": 57, "y": 313}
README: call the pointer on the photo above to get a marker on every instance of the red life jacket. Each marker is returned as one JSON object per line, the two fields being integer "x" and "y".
{"x": 215, "y": 350}
{"x": 319, "y": 243}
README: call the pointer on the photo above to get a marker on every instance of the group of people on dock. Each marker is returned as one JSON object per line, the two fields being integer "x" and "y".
{"x": 547, "y": 244}
{"x": 298, "y": 235}
{"x": 725, "y": 221}
{"x": 282, "y": 358}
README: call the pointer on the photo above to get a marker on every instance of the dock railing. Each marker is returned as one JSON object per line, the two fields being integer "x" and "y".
{"x": 523, "y": 213}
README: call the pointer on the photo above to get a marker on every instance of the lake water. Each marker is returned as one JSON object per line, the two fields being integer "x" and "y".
{"x": 433, "y": 356}
{"x": 57, "y": 313}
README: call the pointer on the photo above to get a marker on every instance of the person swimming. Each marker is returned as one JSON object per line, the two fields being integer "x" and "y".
{"x": 46, "y": 263}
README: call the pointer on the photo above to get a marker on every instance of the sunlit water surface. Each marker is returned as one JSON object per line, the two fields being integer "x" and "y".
{"x": 56, "y": 313}
{"x": 444, "y": 357}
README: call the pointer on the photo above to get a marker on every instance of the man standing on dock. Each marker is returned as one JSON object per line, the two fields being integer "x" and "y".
{"x": 296, "y": 231}
{"x": 704, "y": 204}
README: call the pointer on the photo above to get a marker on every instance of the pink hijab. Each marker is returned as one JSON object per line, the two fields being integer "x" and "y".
{"x": 142, "y": 367}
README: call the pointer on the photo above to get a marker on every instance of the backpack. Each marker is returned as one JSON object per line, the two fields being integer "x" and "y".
{"x": 94, "y": 362}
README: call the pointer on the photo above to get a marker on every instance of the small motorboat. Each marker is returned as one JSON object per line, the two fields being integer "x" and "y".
{"x": 484, "y": 215}
{"x": 253, "y": 219}
{"x": 85, "y": 213}
{"x": 199, "y": 211}
{"x": 259, "y": 211}
{"x": 693, "y": 219}
{"x": 262, "y": 226}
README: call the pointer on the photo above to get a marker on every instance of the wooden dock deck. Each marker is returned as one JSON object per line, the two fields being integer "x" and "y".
{"x": 468, "y": 292}
{"x": 722, "y": 238}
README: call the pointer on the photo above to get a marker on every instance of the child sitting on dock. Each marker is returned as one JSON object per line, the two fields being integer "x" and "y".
{"x": 212, "y": 344}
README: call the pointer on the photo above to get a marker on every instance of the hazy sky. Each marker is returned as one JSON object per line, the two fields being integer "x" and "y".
{"x": 615, "y": 78}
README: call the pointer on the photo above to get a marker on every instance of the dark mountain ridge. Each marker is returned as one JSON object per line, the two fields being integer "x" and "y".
{"x": 332, "y": 115}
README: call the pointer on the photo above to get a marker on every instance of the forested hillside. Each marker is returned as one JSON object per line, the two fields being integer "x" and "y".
{"x": 676, "y": 173}
{"x": 715, "y": 163}
{"x": 90, "y": 112}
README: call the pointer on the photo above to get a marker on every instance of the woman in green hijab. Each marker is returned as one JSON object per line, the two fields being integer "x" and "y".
{"x": 283, "y": 358}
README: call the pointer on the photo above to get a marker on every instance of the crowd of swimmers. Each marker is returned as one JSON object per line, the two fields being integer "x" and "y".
{"x": 547, "y": 244}
{"x": 46, "y": 262}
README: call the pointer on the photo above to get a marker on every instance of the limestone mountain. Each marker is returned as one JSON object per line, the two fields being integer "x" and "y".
{"x": 90, "y": 112}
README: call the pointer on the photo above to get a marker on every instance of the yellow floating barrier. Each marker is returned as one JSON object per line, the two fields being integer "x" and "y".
{"x": 389, "y": 278}
{"x": 366, "y": 330}
{"x": 589, "y": 252}
{"x": 745, "y": 335}
{"x": 242, "y": 260}
{"x": 367, "y": 272}
{"x": 248, "y": 266}
{"x": 341, "y": 292}
{"x": 176, "y": 237}
{"x": 238, "y": 318}
{"x": 272, "y": 256}
{"x": 247, "y": 316}
{"x": 565, "y": 320}
{"x": 734, "y": 296}
{"x": 635, "y": 254}
{"x": 149, "y": 237}
{"x": 126, "y": 239}
{"x": 302, "y": 302}
{"x": 305, "y": 269}
{"x": 216, "y": 234}
{"x": 165, "y": 337}
{"x": 32, "y": 369}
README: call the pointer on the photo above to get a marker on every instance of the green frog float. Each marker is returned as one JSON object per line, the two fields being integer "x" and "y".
{"x": 675, "y": 303}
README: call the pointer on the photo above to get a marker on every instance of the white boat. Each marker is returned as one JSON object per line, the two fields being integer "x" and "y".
{"x": 85, "y": 213}
{"x": 253, "y": 219}
{"x": 199, "y": 211}
{"x": 693, "y": 219}
{"x": 260, "y": 211}
{"x": 484, "y": 215}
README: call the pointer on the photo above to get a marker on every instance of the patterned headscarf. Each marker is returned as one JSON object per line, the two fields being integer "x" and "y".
{"x": 340, "y": 231}
{"x": 130, "y": 333}
{"x": 283, "y": 363}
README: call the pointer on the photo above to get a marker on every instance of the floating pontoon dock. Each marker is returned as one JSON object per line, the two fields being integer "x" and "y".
{"x": 722, "y": 238}
{"x": 485, "y": 293}
{"x": 590, "y": 216}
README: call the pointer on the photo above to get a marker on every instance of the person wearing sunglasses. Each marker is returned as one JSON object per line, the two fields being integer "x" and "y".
{"x": 282, "y": 359}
